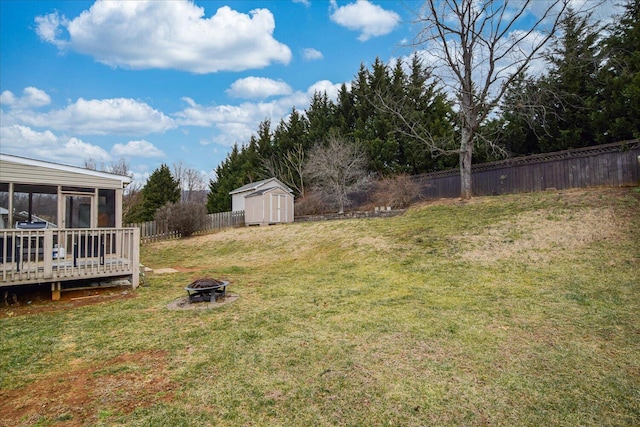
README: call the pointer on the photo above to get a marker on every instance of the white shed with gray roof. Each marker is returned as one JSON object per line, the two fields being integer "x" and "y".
{"x": 264, "y": 202}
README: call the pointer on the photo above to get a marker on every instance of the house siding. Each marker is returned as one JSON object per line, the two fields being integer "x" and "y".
{"x": 238, "y": 202}
{"x": 255, "y": 210}
{"x": 34, "y": 256}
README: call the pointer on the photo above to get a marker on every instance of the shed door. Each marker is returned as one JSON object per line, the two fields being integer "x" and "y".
{"x": 278, "y": 212}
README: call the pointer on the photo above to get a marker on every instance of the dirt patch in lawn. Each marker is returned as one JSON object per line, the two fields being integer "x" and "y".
{"x": 79, "y": 396}
{"x": 39, "y": 301}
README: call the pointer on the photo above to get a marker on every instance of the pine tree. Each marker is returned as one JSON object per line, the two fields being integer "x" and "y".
{"x": 345, "y": 115}
{"x": 320, "y": 117}
{"x": 291, "y": 132}
{"x": 522, "y": 117}
{"x": 228, "y": 178}
{"x": 620, "y": 113}
{"x": 428, "y": 106}
{"x": 571, "y": 85}
{"x": 161, "y": 188}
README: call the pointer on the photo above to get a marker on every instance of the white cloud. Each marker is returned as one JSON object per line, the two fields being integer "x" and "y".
{"x": 24, "y": 141}
{"x": 331, "y": 89}
{"x": 236, "y": 123}
{"x": 7, "y": 98}
{"x": 168, "y": 35}
{"x": 371, "y": 20}
{"x": 258, "y": 87}
{"x": 99, "y": 117}
{"x": 49, "y": 28}
{"x": 304, "y": 2}
{"x": 32, "y": 98}
{"x": 311, "y": 54}
{"x": 140, "y": 148}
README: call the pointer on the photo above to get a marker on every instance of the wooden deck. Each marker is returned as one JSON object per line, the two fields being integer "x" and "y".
{"x": 58, "y": 255}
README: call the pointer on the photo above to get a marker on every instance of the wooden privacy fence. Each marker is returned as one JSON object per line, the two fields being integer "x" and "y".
{"x": 613, "y": 165}
{"x": 153, "y": 231}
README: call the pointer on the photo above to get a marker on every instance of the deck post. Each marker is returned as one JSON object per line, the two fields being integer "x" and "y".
{"x": 56, "y": 287}
{"x": 48, "y": 252}
{"x": 135, "y": 258}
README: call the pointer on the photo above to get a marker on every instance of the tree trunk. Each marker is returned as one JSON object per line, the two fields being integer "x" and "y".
{"x": 466, "y": 153}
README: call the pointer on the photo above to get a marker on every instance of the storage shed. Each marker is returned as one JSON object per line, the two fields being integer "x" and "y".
{"x": 264, "y": 202}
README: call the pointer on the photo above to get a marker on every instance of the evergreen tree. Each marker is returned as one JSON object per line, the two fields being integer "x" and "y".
{"x": 320, "y": 116}
{"x": 345, "y": 115}
{"x": 289, "y": 133}
{"x": 264, "y": 140}
{"x": 161, "y": 188}
{"x": 429, "y": 107}
{"x": 363, "y": 110}
{"x": 619, "y": 119}
{"x": 571, "y": 85}
{"x": 380, "y": 132}
{"x": 228, "y": 178}
{"x": 522, "y": 117}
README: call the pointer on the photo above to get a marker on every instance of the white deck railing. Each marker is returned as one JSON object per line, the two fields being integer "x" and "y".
{"x": 56, "y": 255}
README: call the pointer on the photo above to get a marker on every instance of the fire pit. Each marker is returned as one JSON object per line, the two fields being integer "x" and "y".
{"x": 206, "y": 290}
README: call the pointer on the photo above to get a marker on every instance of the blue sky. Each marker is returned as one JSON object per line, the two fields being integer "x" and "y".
{"x": 176, "y": 81}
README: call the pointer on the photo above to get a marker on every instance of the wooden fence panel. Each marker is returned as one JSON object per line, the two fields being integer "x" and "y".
{"x": 153, "y": 231}
{"x": 612, "y": 165}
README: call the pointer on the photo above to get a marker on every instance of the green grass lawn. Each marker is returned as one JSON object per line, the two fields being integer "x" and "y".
{"x": 517, "y": 310}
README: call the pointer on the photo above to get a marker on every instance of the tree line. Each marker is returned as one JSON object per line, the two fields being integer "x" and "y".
{"x": 402, "y": 119}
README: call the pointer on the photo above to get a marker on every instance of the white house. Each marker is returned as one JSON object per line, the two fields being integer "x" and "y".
{"x": 264, "y": 202}
{"x": 62, "y": 223}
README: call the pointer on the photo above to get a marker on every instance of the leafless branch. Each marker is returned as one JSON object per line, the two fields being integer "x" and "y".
{"x": 337, "y": 169}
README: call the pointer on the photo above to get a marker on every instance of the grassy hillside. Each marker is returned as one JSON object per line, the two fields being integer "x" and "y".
{"x": 511, "y": 310}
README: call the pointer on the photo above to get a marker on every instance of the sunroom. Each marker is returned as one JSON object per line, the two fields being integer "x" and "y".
{"x": 62, "y": 224}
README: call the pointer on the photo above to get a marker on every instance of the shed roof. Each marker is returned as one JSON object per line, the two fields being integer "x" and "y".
{"x": 262, "y": 191}
{"x": 9, "y": 172}
{"x": 256, "y": 185}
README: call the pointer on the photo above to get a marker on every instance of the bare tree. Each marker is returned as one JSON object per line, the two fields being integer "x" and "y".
{"x": 178, "y": 174}
{"x": 477, "y": 49}
{"x": 192, "y": 183}
{"x": 121, "y": 167}
{"x": 131, "y": 201}
{"x": 337, "y": 169}
{"x": 289, "y": 169}
{"x": 118, "y": 167}
{"x": 92, "y": 164}
{"x": 189, "y": 180}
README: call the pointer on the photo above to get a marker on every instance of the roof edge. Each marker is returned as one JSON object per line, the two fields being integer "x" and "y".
{"x": 253, "y": 186}
{"x": 66, "y": 168}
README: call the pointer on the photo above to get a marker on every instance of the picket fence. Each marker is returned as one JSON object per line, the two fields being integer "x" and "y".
{"x": 153, "y": 231}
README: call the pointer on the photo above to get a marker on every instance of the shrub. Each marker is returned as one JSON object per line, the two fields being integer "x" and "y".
{"x": 183, "y": 217}
{"x": 310, "y": 204}
{"x": 398, "y": 192}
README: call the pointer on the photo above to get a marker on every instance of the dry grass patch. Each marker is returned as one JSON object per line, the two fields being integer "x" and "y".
{"x": 543, "y": 235}
{"x": 393, "y": 321}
